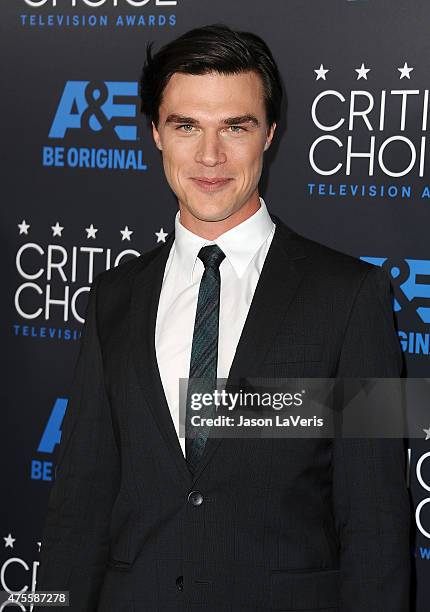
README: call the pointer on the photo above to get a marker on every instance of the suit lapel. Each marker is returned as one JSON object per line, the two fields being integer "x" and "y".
{"x": 279, "y": 280}
{"x": 144, "y": 305}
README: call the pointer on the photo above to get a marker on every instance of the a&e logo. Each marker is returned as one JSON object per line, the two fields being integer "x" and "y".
{"x": 51, "y": 436}
{"x": 410, "y": 279}
{"x": 98, "y": 113}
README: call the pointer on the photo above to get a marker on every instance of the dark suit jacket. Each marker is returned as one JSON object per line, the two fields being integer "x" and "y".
{"x": 284, "y": 524}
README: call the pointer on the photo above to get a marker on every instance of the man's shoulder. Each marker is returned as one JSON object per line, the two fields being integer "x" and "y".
{"x": 114, "y": 287}
{"x": 325, "y": 261}
{"x": 125, "y": 272}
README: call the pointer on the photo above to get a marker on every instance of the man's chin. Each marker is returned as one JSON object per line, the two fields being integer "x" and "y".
{"x": 213, "y": 218}
{"x": 210, "y": 214}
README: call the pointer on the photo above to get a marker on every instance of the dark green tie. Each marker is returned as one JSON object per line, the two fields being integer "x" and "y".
{"x": 204, "y": 351}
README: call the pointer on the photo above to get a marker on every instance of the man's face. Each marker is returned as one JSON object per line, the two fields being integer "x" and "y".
{"x": 212, "y": 132}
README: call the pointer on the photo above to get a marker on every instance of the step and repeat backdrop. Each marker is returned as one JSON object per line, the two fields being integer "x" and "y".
{"x": 84, "y": 190}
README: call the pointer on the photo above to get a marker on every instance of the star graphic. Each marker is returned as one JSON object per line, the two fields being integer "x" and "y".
{"x": 362, "y": 72}
{"x": 91, "y": 231}
{"x": 404, "y": 72}
{"x": 427, "y": 432}
{"x": 57, "y": 229}
{"x": 321, "y": 72}
{"x": 9, "y": 541}
{"x": 161, "y": 235}
{"x": 126, "y": 233}
{"x": 23, "y": 227}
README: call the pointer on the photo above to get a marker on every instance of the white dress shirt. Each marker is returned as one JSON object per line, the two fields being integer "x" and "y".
{"x": 245, "y": 247}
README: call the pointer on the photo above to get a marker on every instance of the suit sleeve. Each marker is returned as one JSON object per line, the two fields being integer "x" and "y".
{"x": 75, "y": 538}
{"x": 370, "y": 496}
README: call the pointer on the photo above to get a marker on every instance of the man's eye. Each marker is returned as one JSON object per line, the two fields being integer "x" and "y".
{"x": 188, "y": 128}
{"x": 186, "y": 125}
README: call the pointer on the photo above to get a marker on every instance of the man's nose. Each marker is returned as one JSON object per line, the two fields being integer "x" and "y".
{"x": 210, "y": 150}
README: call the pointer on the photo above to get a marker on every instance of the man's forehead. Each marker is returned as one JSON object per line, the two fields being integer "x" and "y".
{"x": 186, "y": 92}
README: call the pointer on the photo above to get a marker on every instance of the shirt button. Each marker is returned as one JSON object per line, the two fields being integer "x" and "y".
{"x": 195, "y": 498}
{"x": 180, "y": 583}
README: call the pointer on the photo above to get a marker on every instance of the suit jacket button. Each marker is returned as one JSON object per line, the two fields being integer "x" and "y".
{"x": 195, "y": 498}
{"x": 180, "y": 583}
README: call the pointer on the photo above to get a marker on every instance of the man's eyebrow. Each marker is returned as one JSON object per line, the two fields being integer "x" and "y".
{"x": 175, "y": 118}
{"x": 242, "y": 119}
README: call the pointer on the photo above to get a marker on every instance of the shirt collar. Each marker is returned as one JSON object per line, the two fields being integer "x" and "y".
{"x": 240, "y": 243}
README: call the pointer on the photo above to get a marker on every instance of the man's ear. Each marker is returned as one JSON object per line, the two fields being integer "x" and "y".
{"x": 156, "y": 137}
{"x": 270, "y": 134}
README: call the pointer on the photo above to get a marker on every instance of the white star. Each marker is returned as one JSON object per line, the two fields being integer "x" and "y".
{"x": 404, "y": 72}
{"x": 126, "y": 233}
{"x": 362, "y": 72}
{"x": 9, "y": 541}
{"x": 23, "y": 227}
{"x": 91, "y": 231}
{"x": 57, "y": 229}
{"x": 321, "y": 72}
{"x": 427, "y": 432}
{"x": 161, "y": 235}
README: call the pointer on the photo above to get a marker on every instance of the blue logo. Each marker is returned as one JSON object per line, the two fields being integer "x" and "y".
{"x": 97, "y": 106}
{"x": 411, "y": 282}
{"x": 410, "y": 279}
{"x": 52, "y": 433}
{"x": 51, "y": 436}
{"x": 103, "y": 112}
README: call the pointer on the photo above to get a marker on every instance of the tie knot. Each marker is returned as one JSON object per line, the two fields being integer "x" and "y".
{"x": 211, "y": 256}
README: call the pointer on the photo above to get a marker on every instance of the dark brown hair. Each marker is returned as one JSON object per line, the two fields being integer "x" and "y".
{"x": 212, "y": 48}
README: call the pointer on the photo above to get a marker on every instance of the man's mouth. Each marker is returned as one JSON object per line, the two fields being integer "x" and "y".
{"x": 210, "y": 184}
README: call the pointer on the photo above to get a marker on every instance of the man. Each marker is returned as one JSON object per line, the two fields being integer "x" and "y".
{"x": 142, "y": 520}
